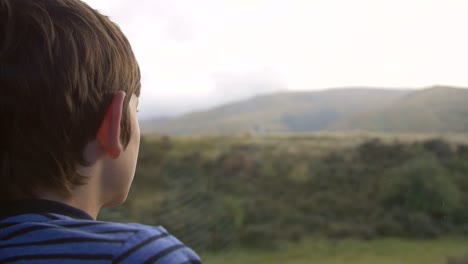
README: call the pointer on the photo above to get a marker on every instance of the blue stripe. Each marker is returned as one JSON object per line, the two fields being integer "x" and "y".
{"x": 164, "y": 253}
{"x": 62, "y": 241}
{"x": 182, "y": 254}
{"x": 137, "y": 247}
{"x": 54, "y": 239}
{"x": 99, "y": 248}
{"x": 58, "y": 257}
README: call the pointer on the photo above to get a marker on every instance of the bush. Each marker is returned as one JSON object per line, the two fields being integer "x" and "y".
{"x": 260, "y": 236}
{"x": 422, "y": 185}
{"x": 347, "y": 230}
{"x": 421, "y": 225}
{"x": 222, "y": 193}
{"x": 389, "y": 226}
{"x": 440, "y": 148}
{"x": 457, "y": 260}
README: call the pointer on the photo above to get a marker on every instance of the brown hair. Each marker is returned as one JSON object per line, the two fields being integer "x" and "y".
{"x": 60, "y": 63}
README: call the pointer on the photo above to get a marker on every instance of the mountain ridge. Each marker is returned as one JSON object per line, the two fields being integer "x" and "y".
{"x": 433, "y": 109}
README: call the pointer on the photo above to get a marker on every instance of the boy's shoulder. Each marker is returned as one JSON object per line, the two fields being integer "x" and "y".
{"x": 58, "y": 238}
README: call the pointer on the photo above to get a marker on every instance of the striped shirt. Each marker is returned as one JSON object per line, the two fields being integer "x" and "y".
{"x": 40, "y": 231}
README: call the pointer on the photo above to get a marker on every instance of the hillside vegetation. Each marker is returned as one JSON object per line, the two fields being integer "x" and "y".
{"x": 435, "y": 109}
{"x": 221, "y": 193}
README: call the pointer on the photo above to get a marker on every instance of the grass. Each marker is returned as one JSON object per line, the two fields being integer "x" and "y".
{"x": 381, "y": 251}
{"x": 316, "y": 144}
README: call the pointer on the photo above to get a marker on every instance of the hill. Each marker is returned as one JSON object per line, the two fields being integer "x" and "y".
{"x": 434, "y": 109}
{"x": 437, "y": 109}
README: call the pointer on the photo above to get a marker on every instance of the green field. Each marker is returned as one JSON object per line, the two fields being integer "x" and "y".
{"x": 381, "y": 251}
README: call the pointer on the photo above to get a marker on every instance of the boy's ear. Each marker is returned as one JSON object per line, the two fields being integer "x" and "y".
{"x": 108, "y": 135}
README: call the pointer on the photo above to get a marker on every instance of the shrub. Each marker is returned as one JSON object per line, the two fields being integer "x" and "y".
{"x": 440, "y": 148}
{"x": 421, "y": 225}
{"x": 260, "y": 236}
{"x": 422, "y": 185}
{"x": 347, "y": 230}
{"x": 457, "y": 260}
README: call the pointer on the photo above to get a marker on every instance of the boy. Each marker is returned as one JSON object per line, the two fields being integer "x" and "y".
{"x": 69, "y": 88}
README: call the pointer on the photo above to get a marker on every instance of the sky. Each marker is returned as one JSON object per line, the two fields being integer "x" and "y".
{"x": 198, "y": 54}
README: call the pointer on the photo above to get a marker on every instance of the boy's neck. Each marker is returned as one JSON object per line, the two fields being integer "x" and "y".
{"x": 82, "y": 201}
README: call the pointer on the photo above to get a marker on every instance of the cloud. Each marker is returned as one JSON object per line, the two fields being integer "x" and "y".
{"x": 237, "y": 86}
{"x": 229, "y": 87}
{"x": 196, "y": 54}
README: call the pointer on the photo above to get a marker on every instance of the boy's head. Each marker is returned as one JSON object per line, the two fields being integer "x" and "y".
{"x": 63, "y": 68}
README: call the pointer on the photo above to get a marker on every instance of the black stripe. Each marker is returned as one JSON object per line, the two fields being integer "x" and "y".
{"x": 5, "y": 225}
{"x": 40, "y": 227}
{"x": 26, "y": 230}
{"x": 116, "y": 231}
{"x": 73, "y": 224}
{"x": 163, "y": 253}
{"x": 64, "y": 240}
{"x": 138, "y": 246}
{"x": 58, "y": 256}
{"x": 90, "y": 223}
{"x": 193, "y": 261}
{"x": 38, "y": 206}
{"x": 49, "y": 216}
